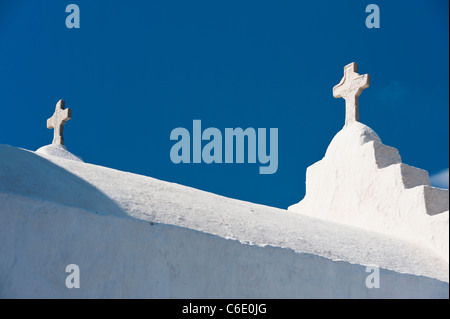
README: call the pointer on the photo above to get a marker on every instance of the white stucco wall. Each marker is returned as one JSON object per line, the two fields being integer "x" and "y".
{"x": 362, "y": 182}
{"x": 121, "y": 257}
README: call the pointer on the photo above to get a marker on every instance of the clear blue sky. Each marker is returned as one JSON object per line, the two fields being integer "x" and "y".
{"x": 135, "y": 70}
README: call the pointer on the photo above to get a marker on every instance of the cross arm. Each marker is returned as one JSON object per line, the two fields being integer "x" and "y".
{"x": 362, "y": 82}
{"x": 67, "y": 115}
{"x": 337, "y": 89}
{"x": 50, "y": 122}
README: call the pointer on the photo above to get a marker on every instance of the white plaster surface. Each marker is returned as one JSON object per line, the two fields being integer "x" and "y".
{"x": 58, "y": 150}
{"x": 362, "y": 182}
{"x": 135, "y": 236}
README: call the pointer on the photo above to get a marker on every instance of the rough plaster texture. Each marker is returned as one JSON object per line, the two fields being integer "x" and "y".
{"x": 363, "y": 183}
{"x": 136, "y": 236}
{"x": 58, "y": 150}
{"x": 129, "y": 258}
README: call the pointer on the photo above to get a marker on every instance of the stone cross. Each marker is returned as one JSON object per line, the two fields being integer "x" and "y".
{"x": 57, "y": 121}
{"x": 350, "y": 88}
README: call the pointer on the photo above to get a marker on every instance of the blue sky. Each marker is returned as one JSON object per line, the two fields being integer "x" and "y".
{"x": 135, "y": 70}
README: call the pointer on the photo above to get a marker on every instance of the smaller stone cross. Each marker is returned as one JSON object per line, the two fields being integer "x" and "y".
{"x": 350, "y": 88}
{"x": 57, "y": 121}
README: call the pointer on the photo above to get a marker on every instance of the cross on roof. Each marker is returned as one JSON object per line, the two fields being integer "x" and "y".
{"x": 57, "y": 121}
{"x": 350, "y": 88}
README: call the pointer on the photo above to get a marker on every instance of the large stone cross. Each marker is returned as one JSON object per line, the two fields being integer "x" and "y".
{"x": 350, "y": 88}
{"x": 57, "y": 121}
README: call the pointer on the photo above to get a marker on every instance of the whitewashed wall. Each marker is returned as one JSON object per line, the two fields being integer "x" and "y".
{"x": 120, "y": 257}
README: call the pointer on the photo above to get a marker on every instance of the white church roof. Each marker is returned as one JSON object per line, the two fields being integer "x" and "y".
{"x": 111, "y": 192}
